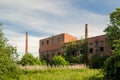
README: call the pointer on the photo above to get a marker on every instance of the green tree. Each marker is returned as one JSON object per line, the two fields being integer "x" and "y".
{"x": 112, "y": 68}
{"x": 116, "y": 45}
{"x": 84, "y": 50}
{"x": 97, "y": 61}
{"x": 113, "y": 29}
{"x": 8, "y": 68}
{"x": 112, "y": 65}
{"x": 79, "y": 59}
{"x": 29, "y": 59}
{"x": 59, "y": 60}
{"x": 70, "y": 49}
{"x": 75, "y": 52}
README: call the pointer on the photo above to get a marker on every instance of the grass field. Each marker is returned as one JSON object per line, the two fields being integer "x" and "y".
{"x": 63, "y": 73}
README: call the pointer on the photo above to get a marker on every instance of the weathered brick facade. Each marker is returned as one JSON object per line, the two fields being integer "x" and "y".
{"x": 54, "y": 45}
{"x": 98, "y": 45}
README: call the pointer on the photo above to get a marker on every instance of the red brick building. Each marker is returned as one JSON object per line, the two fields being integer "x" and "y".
{"x": 98, "y": 45}
{"x": 54, "y": 45}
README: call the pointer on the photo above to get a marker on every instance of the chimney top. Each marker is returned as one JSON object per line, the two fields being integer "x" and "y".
{"x": 86, "y": 31}
{"x": 86, "y": 25}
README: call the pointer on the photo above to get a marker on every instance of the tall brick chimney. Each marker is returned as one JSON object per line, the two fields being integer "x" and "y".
{"x": 86, "y": 43}
{"x": 86, "y": 31}
{"x": 26, "y": 50}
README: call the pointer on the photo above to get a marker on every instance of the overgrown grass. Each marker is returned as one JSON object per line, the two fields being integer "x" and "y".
{"x": 62, "y": 74}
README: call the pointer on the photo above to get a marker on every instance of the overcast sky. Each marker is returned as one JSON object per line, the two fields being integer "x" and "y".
{"x": 43, "y": 18}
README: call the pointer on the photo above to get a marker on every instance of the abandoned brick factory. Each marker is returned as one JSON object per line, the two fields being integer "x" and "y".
{"x": 54, "y": 45}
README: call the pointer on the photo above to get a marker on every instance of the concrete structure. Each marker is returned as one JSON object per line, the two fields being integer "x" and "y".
{"x": 54, "y": 45}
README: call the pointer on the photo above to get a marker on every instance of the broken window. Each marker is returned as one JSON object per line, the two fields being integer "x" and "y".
{"x": 91, "y": 50}
{"x": 101, "y": 49}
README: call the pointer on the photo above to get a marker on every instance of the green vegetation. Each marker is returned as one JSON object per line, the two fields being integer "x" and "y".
{"x": 8, "y": 55}
{"x": 97, "y": 61}
{"x": 62, "y": 74}
{"x": 79, "y": 59}
{"x": 113, "y": 29}
{"x": 71, "y": 49}
{"x": 9, "y": 70}
{"x": 116, "y": 46}
{"x": 29, "y": 59}
{"x": 112, "y": 68}
{"x": 59, "y": 60}
{"x": 112, "y": 65}
{"x": 72, "y": 53}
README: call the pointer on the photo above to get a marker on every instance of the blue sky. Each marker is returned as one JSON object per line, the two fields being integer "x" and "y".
{"x": 43, "y": 18}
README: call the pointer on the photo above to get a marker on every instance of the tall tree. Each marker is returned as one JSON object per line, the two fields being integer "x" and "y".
{"x": 112, "y": 65}
{"x": 113, "y": 29}
{"x": 8, "y": 68}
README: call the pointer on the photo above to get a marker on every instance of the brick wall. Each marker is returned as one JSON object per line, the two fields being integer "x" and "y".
{"x": 54, "y": 45}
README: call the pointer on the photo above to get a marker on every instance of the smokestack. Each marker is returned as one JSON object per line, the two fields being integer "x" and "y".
{"x": 86, "y": 31}
{"x": 26, "y": 50}
{"x": 86, "y": 43}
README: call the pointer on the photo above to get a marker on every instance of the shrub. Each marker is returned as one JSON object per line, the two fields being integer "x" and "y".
{"x": 97, "y": 61}
{"x": 8, "y": 69}
{"x": 77, "y": 59}
{"x": 112, "y": 68}
{"x": 43, "y": 62}
{"x": 59, "y": 60}
{"x": 28, "y": 59}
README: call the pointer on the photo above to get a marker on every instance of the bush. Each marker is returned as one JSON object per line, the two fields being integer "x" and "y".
{"x": 59, "y": 60}
{"x": 112, "y": 68}
{"x": 44, "y": 62}
{"x": 8, "y": 69}
{"x": 77, "y": 59}
{"x": 28, "y": 59}
{"x": 97, "y": 61}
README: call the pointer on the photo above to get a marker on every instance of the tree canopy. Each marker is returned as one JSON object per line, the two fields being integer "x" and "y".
{"x": 113, "y": 29}
{"x": 112, "y": 65}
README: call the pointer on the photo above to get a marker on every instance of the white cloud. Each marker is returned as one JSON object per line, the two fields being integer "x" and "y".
{"x": 48, "y": 16}
{"x": 47, "y": 6}
{"x": 18, "y": 40}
